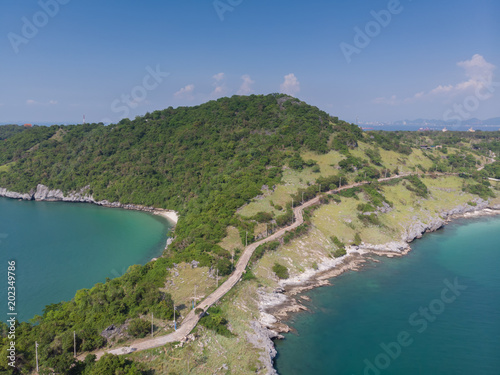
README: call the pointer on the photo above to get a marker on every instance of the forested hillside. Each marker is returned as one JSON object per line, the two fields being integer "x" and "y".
{"x": 204, "y": 161}
{"x": 7, "y": 131}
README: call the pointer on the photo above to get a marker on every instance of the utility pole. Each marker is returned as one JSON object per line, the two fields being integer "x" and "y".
{"x": 36, "y": 355}
{"x": 217, "y": 277}
{"x": 194, "y": 299}
{"x": 292, "y": 204}
{"x": 319, "y": 190}
{"x": 175, "y": 322}
{"x": 302, "y": 197}
{"x": 152, "y": 324}
{"x": 246, "y": 239}
{"x": 340, "y": 182}
{"x": 74, "y": 344}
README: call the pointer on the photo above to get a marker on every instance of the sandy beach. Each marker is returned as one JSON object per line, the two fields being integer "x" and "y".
{"x": 171, "y": 216}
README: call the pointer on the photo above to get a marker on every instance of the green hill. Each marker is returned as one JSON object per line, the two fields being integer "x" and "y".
{"x": 209, "y": 162}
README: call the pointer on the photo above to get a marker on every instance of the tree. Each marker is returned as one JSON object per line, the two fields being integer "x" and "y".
{"x": 280, "y": 271}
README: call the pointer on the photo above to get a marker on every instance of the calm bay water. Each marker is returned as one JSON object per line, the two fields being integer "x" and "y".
{"x": 62, "y": 247}
{"x": 435, "y": 311}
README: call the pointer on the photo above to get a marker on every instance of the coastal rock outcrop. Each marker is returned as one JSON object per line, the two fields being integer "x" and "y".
{"x": 43, "y": 193}
{"x": 393, "y": 247}
{"x": 417, "y": 228}
{"x": 262, "y": 339}
{"x": 14, "y": 195}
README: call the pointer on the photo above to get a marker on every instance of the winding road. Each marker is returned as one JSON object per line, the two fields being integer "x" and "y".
{"x": 191, "y": 319}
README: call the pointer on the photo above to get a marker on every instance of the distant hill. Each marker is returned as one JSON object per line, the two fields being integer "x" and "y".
{"x": 435, "y": 122}
{"x": 7, "y": 131}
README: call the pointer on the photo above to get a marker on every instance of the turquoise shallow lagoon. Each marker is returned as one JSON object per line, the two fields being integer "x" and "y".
{"x": 434, "y": 311}
{"x": 62, "y": 247}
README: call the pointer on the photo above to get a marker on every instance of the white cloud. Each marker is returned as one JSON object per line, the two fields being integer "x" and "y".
{"x": 220, "y": 86}
{"x": 186, "y": 92}
{"x": 246, "y": 86}
{"x": 478, "y": 71}
{"x": 477, "y": 68}
{"x": 34, "y": 102}
{"x": 291, "y": 85}
{"x": 218, "y": 77}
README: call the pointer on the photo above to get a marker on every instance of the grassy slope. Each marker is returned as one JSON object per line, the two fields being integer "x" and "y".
{"x": 210, "y": 351}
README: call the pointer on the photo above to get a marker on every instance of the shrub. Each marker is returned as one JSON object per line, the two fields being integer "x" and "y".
{"x": 299, "y": 231}
{"x": 339, "y": 244}
{"x": 417, "y": 186}
{"x": 248, "y": 275}
{"x": 139, "y": 327}
{"x": 481, "y": 190}
{"x": 349, "y": 193}
{"x": 335, "y": 198}
{"x": 280, "y": 271}
{"x": 215, "y": 321}
{"x": 365, "y": 207}
{"x": 285, "y": 219}
{"x": 374, "y": 155}
{"x": 357, "y": 240}
{"x": 339, "y": 252}
{"x": 224, "y": 266}
{"x": 296, "y": 162}
{"x": 351, "y": 163}
{"x": 262, "y": 217}
{"x": 198, "y": 311}
{"x": 261, "y": 249}
{"x": 369, "y": 219}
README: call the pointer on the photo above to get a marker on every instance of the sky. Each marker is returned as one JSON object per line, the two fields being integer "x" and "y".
{"x": 375, "y": 61}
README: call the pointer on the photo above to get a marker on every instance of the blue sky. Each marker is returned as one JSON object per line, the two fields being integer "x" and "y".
{"x": 108, "y": 59}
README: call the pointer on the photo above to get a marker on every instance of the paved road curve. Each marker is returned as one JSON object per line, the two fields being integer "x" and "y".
{"x": 191, "y": 319}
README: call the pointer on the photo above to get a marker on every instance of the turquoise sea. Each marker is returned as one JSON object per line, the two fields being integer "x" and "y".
{"x": 62, "y": 247}
{"x": 435, "y": 311}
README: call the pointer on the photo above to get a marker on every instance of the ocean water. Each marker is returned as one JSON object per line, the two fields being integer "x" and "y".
{"x": 62, "y": 247}
{"x": 434, "y": 311}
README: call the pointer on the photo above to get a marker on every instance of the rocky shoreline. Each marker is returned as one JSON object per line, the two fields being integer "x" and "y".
{"x": 43, "y": 193}
{"x": 276, "y": 306}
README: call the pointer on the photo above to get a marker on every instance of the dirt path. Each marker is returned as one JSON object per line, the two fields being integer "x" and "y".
{"x": 191, "y": 319}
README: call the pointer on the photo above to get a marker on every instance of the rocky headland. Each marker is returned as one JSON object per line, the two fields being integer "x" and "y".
{"x": 43, "y": 193}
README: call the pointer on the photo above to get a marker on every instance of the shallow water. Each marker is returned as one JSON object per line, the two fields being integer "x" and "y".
{"x": 62, "y": 247}
{"x": 434, "y": 311}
